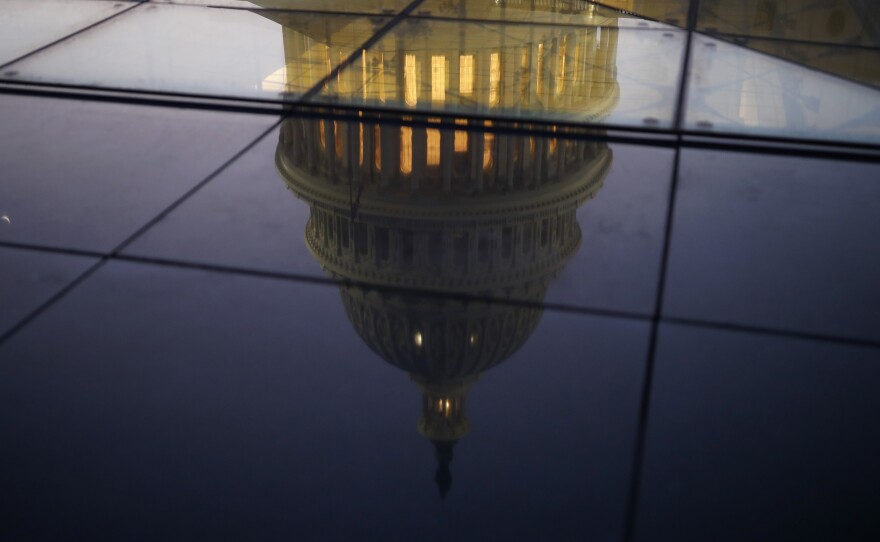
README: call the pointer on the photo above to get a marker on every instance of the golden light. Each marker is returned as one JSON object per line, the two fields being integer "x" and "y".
{"x": 411, "y": 89}
{"x": 438, "y": 78}
{"x": 461, "y": 137}
{"x": 364, "y": 74}
{"x": 539, "y": 86}
{"x": 494, "y": 78}
{"x": 466, "y": 75}
{"x": 406, "y": 155}
{"x": 560, "y": 68}
{"x": 417, "y": 338}
{"x": 361, "y": 150}
{"x": 433, "y": 157}
{"x": 473, "y": 339}
{"x": 488, "y": 151}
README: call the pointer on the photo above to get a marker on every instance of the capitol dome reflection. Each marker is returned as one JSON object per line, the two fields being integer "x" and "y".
{"x": 445, "y": 235}
{"x": 396, "y": 210}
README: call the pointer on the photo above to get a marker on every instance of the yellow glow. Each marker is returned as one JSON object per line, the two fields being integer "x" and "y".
{"x": 461, "y": 137}
{"x": 363, "y": 78}
{"x": 377, "y": 148}
{"x": 361, "y": 152}
{"x": 406, "y": 168}
{"x": 321, "y": 139}
{"x": 433, "y": 146}
{"x": 473, "y": 339}
{"x": 488, "y": 151}
{"x": 560, "y": 69}
{"x": 540, "y": 83}
{"x": 494, "y": 78}
{"x": 417, "y": 338}
{"x": 410, "y": 91}
{"x": 438, "y": 78}
{"x": 461, "y": 141}
{"x": 466, "y": 75}
{"x": 447, "y": 407}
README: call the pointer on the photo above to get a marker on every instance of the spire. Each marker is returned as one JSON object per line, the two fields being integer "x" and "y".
{"x": 443, "y": 476}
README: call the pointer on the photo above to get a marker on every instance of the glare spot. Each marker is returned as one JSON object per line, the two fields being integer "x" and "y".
{"x": 5, "y": 219}
{"x": 417, "y": 338}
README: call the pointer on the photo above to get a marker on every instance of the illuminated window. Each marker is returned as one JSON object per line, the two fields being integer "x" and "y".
{"x": 466, "y": 75}
{"x": 406, "y": 161}
{"x": 488, "y": 151}
{"x": 540, "y": 83}
{"x": 494, "y": 78}
{"x": 361, "y": 153}
{"x": 560, "y": 68}
{"x": 364, "y": 77}
{"x": 433, "y": 146}
{"x": 438, "y": 78}
{"x": 410, "y": 92}
{"x": 461, "y": 141}
{"x": 377, "y": 148}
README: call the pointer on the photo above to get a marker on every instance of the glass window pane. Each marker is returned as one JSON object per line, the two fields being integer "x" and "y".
{"x": 27, "y": 25}
{"x": 602, "y": 75}
{"x": 193, "y": 50}
{"x": 735, "y": 89}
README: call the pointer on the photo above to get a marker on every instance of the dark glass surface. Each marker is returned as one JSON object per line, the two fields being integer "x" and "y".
{"x": 779, "y": 242}
{"x": 209, "y": 405}
{"x": 760, "y": 437}
{"x": 31, "y": 278}
{"x": 87, "y": 175}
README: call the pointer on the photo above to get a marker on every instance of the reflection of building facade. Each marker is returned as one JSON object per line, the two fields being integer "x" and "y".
{"x": 447, "y": 206}
{"x": 491, "y": 216}
{"x": 450, "y": 65}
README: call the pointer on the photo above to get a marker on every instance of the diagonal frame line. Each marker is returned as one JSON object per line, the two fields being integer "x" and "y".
{"x": 114, "y": 253}
{"x": 83, "y": 30}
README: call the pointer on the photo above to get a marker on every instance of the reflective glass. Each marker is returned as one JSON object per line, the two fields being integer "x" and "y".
{"x": 735, "y": 89}
{"x": 861, "y": 64}
{"x": 26, "y": 25}
{"x": 827, "y": 21}
{"x": 450, "y": 208}
{"x": 344, "y": 6}
{"x": 576, "y": 12}
{"x": 296, "y": 411}
{"x": 670, "y": 11}
{"x": 599, "y": 75}
{"x": 194, "y": 50}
